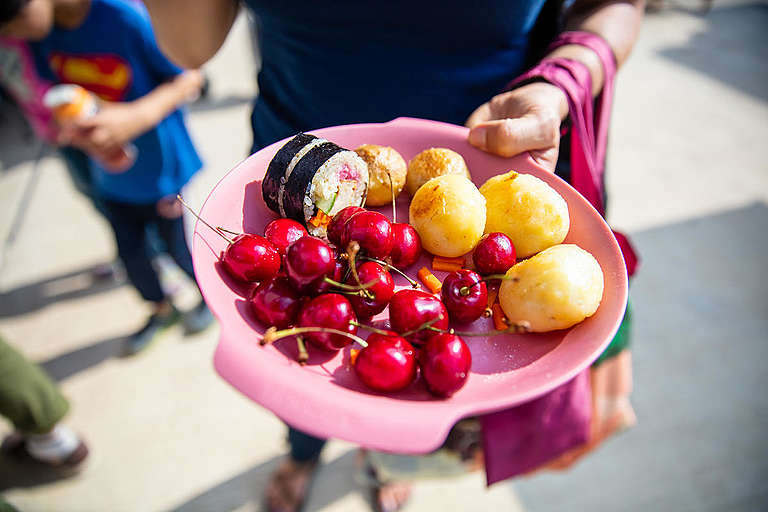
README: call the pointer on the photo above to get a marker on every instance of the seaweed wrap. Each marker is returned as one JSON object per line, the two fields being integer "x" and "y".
{"x": 310, "y": 179}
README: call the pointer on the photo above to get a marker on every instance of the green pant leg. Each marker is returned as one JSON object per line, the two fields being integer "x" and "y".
{"x": 621, "y": 340}
{"x": 28, "y": 397}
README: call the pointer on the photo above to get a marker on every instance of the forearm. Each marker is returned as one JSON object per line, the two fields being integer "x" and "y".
{"x": 618, "y": 22}
{"x": 190, "y": 32}
{"x": 167, "y": 97}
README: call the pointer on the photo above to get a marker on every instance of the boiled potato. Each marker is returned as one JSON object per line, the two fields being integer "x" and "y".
{"x": 448, "y": 212}
{"x": 555, "y": 289}
{"x": 383, "y": 163}
{"x": 434, "y": 162}
{"x": 530, "y": 212}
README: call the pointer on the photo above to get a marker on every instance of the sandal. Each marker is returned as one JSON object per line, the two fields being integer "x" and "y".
{"x": 384, "y": 495}
{"x": 289, "y": 485}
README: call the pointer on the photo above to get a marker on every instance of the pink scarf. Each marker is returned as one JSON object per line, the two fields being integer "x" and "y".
{"x": 518, "y": 440}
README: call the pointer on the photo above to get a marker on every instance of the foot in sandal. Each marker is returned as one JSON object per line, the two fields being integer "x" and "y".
{"x": 288, "y": 487}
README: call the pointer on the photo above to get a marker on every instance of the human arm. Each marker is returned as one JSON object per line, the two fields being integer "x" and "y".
{"x": 190, "y": 32}
{"x": 528, "y": 118}
{"x": 116, "y": 124}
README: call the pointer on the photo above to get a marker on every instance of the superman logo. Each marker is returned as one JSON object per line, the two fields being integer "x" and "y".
{"x": 107, "y": 76}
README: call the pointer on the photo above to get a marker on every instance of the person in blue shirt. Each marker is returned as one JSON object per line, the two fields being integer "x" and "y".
{"x": 352, "y": 61}
{"x": 108, "y": 48}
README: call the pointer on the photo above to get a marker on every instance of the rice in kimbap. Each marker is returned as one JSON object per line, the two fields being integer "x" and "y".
{"x": 310, "y": 179}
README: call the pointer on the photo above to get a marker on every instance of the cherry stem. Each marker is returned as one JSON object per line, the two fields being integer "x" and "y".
{"x": 371, "y": 328}
{"x": 349, "y": 287}
{"x": 352, "y": 250}
{"x": 464, "y": 290}
{"x": 273, "y": 334}
{"x": 193, "y": 212}
{"x": 515, "y": 328}
{"x": 303, "y": 354}
{"x": 393, "y": 269}
{"x": 219, "y": 228}
{"x": 425, "y": 325}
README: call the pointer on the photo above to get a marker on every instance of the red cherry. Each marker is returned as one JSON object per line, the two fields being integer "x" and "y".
{"x": 410, "y": 309}
{"x": 388, "y": 363}
{"x": 283, "y": 232}
{"x": 320, "y": 285}
{"x": 445, "y": 361}
{"x": 494, "y": 254}
{"x": 251, "y": 258}
{"x": 330, "y": 310}
{"x": 372, "y": 231}
{"x": 406, "y": 245}
{"x": 336, "y": 226}
{"x": 382, "y": 291}
{"x": 308, "y": 259}
{"x": 275, "y": 302}
{"x": 465, "y": 296}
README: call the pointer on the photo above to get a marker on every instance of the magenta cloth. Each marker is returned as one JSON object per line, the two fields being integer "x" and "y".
{"x": 520, "y": 439}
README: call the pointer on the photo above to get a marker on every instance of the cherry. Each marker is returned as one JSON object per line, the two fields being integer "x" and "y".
{"x": 372, "y": 300}
{"x": 321, "y": 285}
{"x": 445, "y": 361}
{"x": 275, "y": 302}
{"x": 248, "y": 257}
{"x": 372, "y": 231}
{"x": 494, "y": 254}
{"x": 308, "y": 259}
{"x": 332, "y": 311}
{"x": 411, "y": 310}
{"x": 465, "y": 295}
{"x": 406, "y": 245}
{"x": 283, "y": 232}
{"x": 388, "y": 363}
{"x": 336, "y": 226}
{"x": 251, "y": 258}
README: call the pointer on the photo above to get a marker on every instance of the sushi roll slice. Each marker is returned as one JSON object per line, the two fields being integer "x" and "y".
{"x": 311, "y": 179}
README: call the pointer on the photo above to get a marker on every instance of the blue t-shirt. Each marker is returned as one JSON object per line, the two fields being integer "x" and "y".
{"x": 114, "y": 54}
{"x": 352, "y": 61}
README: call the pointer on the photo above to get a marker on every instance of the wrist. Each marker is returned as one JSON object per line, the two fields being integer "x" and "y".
{"x": 587, "y": 57}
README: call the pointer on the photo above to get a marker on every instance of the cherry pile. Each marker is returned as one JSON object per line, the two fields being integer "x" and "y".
{"x": 321, "y": 292}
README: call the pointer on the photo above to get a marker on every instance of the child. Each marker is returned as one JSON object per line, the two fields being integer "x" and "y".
{"x": 107, "y": 47}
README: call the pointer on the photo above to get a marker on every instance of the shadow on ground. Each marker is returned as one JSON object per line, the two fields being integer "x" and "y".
{"x": 19, "y": 143}
{"x": 699, "y": 347}
{"x": 332, "y": 483}
{"x": 731, "y": 49}
{"x": 72, "y": 285}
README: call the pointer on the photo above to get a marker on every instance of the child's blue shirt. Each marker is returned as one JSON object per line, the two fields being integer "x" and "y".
{"x": 114, "y": 55}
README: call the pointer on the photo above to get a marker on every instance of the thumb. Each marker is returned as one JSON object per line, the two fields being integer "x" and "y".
{"x": 510, "y": 137}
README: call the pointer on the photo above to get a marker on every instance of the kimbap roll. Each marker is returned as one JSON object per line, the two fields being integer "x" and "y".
{"x": 310, "y": 179}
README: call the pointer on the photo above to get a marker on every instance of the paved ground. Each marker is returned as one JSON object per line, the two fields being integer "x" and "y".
{"x": 690, "y": 182}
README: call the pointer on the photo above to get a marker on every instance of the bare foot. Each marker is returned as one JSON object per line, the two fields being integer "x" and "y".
{"x": 288, "y": 486}
{"x": 392, "y": 497}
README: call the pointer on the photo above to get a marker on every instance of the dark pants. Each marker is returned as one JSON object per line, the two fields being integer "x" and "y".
{"x": 304, "y": 447}
{"x": 129, "y": 224}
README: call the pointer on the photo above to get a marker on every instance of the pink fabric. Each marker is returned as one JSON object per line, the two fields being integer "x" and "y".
{"x": 520, "y": 439}
{"x": 19, "y": 78}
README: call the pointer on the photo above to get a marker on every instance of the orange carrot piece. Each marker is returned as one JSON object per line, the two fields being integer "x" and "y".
{"x": 444, "y": 266}
{"x": 493, "y": 293}
{"x": 321, "y": 219}
{"x": 499, "y": 318}
{"x": 459, "y": 260}
{"x": 353, "y": 353}
{"x": 430, "y": 281}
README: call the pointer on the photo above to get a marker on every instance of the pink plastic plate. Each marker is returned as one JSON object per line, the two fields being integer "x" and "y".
{"x": 325, "y": 398}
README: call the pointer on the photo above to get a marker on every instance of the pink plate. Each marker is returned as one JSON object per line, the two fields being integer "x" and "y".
{"x": 325, "y": 398}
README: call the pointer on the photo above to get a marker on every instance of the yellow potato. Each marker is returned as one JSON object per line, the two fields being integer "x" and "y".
{"x": 431, "y": 163}
{"x": 530, "y": 212}
{"x": 448, "y": 212}
{"x": 383, "y": 162}
{"x": 555, "y": 289}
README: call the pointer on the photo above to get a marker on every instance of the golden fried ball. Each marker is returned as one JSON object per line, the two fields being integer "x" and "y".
{"x": 434, "y": 162}
{"x": 383, "y": 162}
{"x": 530, "y": 212}
{"x": 555, "y": 289}
{"x": 448, "y": 212}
